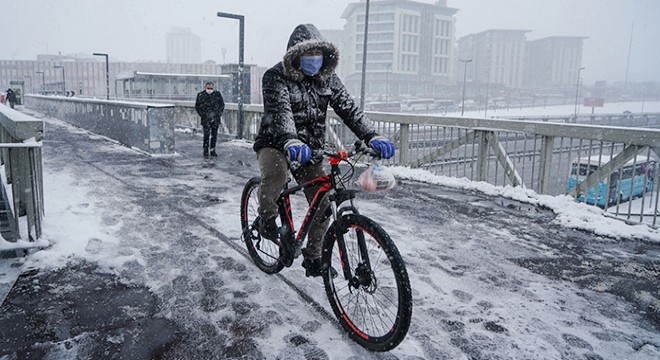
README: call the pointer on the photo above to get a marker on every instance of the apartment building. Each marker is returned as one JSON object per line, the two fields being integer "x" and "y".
{"x": 554, "y": 61}
{"x": 494, "y": 57}
{"x": 410, "y": 48}
{"x": 183, "y": 47}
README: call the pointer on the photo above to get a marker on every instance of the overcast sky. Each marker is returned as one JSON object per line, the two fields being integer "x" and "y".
{"x": 131, "y": 30}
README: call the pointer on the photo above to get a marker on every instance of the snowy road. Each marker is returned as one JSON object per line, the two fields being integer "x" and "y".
{"x": 492, "y": 278}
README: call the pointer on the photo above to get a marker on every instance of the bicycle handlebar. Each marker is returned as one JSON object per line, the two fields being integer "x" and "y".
{"x": 318, "y": 155}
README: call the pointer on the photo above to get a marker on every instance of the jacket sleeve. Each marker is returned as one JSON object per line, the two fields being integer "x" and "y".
{"x": 198, "y": 105}
{"x": 277, "y": 122}
{"x": 346, "y": 108}
{"x": 221, "y": 105}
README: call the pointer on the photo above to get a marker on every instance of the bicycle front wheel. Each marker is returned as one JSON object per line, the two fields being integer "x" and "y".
{"x": 265, "y": 253}
{"x": 370, "y": 294}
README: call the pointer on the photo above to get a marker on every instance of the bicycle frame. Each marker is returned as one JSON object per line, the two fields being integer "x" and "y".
{"x": 327, "y": 183}
{"x": 284, "y": 203}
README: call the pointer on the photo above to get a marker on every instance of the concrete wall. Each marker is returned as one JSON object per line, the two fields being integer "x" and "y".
{"x": 146, "y": 126}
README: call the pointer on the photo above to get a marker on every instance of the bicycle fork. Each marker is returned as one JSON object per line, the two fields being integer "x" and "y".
{"x": 363, "y": 272}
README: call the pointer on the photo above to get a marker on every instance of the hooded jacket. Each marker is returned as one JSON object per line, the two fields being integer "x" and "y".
{"x": 295, "y": 105}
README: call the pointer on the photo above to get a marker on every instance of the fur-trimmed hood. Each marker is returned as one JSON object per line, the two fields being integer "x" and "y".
{"x": 307, "y": 37}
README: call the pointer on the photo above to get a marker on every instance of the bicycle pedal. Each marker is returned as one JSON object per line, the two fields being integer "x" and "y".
{"x": 249, "y": 232}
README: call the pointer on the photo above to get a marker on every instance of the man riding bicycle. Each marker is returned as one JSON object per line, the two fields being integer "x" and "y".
{"x": 297, "y": 92}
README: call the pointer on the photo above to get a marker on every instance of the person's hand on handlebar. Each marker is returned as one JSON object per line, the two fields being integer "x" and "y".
{"x": 298, "y": 151}
{"x": 383, "y": 146}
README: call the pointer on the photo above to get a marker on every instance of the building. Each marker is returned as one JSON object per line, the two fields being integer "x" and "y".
{"x": 183, "y": 47}
{"x": 168, "y": 86}
{"x": 86, "y": 77}
{"x": 494, "y": 57}
{"x": 338, "y": 38}
{"x": 554, "y": 61}
{"x": 232, "y": 69}
{"x": 410, "y": 48}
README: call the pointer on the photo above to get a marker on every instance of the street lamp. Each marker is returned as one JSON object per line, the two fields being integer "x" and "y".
{"x": 43, "y": 81}
{"x": 464, "y": 79}
{"x": 364, "y": 55}
{"x": 577, "y": 91}
{"x": 387, "y": 82}
{"x": 63, "y": 78}
{"x": 107, "y": 76}
{"x": 241, "y": 43}
{"x": 486, "y": 106}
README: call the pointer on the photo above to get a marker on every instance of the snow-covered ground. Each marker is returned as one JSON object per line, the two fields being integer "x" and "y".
{"x": 495, "y": 274}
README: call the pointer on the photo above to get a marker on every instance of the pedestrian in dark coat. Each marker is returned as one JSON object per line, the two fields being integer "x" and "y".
{"x": 297, "y": 92}
{"x": 210, "y": 105}
{"x": 11, "y": 97}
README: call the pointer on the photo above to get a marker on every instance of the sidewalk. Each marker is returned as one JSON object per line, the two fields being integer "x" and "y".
{"x": 146, "y": 262}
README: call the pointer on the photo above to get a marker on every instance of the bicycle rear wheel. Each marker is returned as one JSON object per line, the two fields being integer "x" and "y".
{"x": 265, "y": 253}
{"x": 375, "y": 304}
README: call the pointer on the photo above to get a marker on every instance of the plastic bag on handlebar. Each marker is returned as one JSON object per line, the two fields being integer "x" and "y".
{"x": 376, "y": 178}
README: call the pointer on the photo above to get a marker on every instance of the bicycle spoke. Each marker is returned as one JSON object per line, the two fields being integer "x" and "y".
{"x": 265, "y": 253}
{"x": 372, "y": 312}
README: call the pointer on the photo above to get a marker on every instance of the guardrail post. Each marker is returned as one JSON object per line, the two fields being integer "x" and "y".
{"x": 482, "y": 158}
{"x": 547, "y": 147}
{"x": 404, "y": 145}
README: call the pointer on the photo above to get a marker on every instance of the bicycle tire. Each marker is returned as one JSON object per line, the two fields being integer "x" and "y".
{"x": 376, "y": 316}
{"x": 265, "y": 253}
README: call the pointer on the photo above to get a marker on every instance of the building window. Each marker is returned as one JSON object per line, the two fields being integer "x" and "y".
{"x": 409, "y": 42}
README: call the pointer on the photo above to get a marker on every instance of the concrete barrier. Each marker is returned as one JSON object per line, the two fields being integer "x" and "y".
{"x": 21, "y": 190}
{"x": 146, "y": 126}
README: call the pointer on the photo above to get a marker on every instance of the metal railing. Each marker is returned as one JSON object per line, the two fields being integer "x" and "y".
{"x": 22, "y": 172}
{"x": 646, "y": 120}
{"x": 539, "y": 154}
{"x": 536, "y": 155}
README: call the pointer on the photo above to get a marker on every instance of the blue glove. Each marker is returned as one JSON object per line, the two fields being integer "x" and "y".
{"x": 383, "y": 145}
{"x": 298, "y": 151}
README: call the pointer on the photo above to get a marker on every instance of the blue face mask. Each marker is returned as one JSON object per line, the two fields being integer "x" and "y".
{"x": 310, "y": 65}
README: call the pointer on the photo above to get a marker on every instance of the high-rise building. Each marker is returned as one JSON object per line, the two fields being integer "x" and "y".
{"x": 554, "y": 61}
{"x": 497, "y": 57}
{"x": 410, "y": 48}
{"x": 338, "y": 38}
{"x": 183, "y": 47}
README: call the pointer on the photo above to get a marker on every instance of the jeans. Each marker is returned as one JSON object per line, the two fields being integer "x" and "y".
{"x": 210, "y": 131}
{"x": 274, "y": 173}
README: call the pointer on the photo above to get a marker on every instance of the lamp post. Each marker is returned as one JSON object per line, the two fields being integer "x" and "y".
{"x": 486, "y": 106}
{"x": 241, "y": 49}
{"x": 107, "y": 74}
{"x": 464, "y": 82}
{"x": 387, "y": 83}
{"x": 63, "y": 78}
{"x": 43, "y": 81}
{"x": 577, "y": 91}
{"x": 364, "y": 55}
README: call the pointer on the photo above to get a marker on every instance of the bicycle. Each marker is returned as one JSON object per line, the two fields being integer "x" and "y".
{"x": 370, "y": 293}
